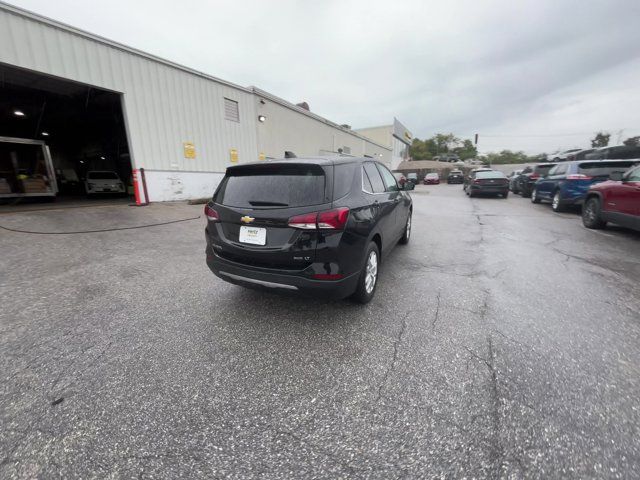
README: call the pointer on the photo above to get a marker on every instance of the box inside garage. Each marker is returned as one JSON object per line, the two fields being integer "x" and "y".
{"x": 60, "y": 140}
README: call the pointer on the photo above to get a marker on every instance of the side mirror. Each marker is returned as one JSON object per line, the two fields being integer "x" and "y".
{"x": 616, "y": 176}
{"x": 409, "y": 186}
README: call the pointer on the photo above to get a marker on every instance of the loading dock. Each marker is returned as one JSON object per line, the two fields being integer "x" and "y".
{"x": 53, "y": 132}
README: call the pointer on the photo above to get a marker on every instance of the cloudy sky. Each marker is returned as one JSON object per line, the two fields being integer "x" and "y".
{"x": 533, "y": 75}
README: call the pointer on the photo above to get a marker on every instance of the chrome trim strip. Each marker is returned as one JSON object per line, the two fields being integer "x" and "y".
{"x": 259, "y": 282}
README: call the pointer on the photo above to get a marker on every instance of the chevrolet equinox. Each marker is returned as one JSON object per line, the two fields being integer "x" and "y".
{"x": 317, "y": 226}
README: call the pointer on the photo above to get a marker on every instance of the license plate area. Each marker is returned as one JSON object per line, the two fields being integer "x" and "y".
{"x": 253, "y": 235}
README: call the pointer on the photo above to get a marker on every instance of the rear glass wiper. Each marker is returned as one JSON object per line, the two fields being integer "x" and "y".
{"x": 259, "y": 203}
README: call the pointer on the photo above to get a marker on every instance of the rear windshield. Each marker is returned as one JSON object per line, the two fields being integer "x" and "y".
{"x": 490, "y": 174}
{"x": 543, "y": 168}
{"x": 273, "y": 186}
{"x": 603, "y": 169}
{"x": 102, "y": 175}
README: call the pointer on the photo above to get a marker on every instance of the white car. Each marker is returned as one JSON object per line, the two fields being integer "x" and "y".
{"x": 103, "y": 181}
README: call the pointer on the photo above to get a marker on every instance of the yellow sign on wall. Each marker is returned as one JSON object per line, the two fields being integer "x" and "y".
{"x": 189, "y": 150}
{"x": 261, "y": 156}
{"x": 233, "y": 155}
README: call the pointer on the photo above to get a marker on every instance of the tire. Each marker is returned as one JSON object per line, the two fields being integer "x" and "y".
{"x": 556, "y": 202}
{"x": 534, "y": 196}
{"x": 505, "y": 195}
{"x": 366, "y": 288}
{"x": 591, "y": 214}
{"x": 523, "y": 193}
{"x": 406, "y": 236}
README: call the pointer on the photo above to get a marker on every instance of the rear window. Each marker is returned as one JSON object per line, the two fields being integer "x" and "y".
{"x": 102, "y": 176}
{"x": 603, "y": 169}
{"x": 490, "y": 174}
{"x": 273, "y": 186}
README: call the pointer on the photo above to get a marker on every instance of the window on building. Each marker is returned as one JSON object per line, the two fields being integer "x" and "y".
{"x": 231, "y": 110}
{"x": 346, "y": 150}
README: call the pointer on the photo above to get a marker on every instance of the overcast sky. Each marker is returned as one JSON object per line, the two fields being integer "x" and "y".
{"x": 528, "y": 75}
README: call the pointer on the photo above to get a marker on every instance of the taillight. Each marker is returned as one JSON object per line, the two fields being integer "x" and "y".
{"x": 534, "y": 176}
{"x": 329, "y": 220}
{"x": 578, "y": 176}
{"x": 305, "y": 222}
{"x": 333, "y": 219}
{"x": 476, "y": 181}
{"x": 211, "y": 214}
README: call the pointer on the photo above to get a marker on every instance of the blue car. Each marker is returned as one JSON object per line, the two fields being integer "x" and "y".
{"x": 567, "y": 183}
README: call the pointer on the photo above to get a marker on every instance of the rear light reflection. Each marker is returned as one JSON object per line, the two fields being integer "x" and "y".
{"x": 334, "y": 219}
{"x": 578, "y": 176}
{"x": 327, "y": 276}
{"x": 211, "y": 214}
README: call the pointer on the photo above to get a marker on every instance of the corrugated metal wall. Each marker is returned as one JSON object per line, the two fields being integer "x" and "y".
{"x": 164, "y": 105}
{"x": 286, "y": 128}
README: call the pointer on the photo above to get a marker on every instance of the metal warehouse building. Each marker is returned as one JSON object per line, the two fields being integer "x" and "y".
{"x": 72, "y": 102}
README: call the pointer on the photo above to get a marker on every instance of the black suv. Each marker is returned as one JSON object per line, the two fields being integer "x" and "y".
{"x": 530, "y": 175}
{"x": 309, "y": 225}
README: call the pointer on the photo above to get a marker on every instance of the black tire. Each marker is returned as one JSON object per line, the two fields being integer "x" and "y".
{"x": 556, "y": 202}
{"x": 406, "y": 236}
{"x": 505, "y": 195}
{"x": 523, "y": 193}
{"x": 534, "y": 196}
{"x": 591, "y": 214}
{"x": 362, "y": 294}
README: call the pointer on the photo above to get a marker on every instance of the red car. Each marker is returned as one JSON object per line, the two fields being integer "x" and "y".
{"x": 431, "y": 179}
{"x": 617, "y": 201}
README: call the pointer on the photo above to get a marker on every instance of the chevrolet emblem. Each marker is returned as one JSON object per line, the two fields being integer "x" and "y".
{"x": 247, "y": 219}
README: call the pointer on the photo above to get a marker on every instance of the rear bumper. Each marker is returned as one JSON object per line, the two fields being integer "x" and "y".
{"x": 276, "y": 281}
{"x": 489, "y": 190}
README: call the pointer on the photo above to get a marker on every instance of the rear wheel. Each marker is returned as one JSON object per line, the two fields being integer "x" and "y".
{"x": 534, "y": 196}
{"x": 407, "y": 231}
{"x": 505, "y": 194}
{"x": 591, "y": 214}
{"x": 368, "y": 276}
{"x": 556, "y": 204}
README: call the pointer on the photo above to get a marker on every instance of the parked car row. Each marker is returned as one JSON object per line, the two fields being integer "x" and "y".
{"x": 433, "y": 178}
{"x": 607, "y": 190}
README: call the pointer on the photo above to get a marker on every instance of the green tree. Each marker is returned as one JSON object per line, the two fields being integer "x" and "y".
{"x": 632, "y": 142}
{"x": 467, "y": 150}
{"x": 600, "y": 140}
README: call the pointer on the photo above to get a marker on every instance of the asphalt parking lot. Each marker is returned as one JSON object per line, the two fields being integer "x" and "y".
{"x": 503, "y": 342}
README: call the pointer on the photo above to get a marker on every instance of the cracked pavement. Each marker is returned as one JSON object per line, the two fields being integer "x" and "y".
{"x": 503, "y": 342}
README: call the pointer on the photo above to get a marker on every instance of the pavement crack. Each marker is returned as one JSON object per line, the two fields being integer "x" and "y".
{"x": 437, "y": 314}
{"x": 394, "y": 358}
{"x": 498, "y": 453}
